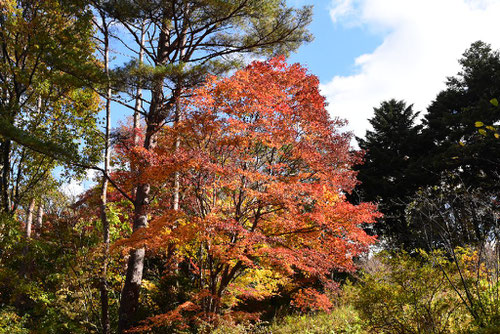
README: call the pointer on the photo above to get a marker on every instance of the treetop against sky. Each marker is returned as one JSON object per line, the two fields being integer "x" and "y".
{"x": 367, "y": 51}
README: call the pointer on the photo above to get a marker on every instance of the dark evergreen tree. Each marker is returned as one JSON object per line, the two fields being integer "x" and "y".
{"x": 402, "y": 158}
{"x": 464, "y": 165}
{"x": 389, "y": 175}
{"x": 457, "y": 146}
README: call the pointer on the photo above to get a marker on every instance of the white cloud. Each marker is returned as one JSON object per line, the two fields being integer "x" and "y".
{"x": 341, "y": 8}
{"x": 74, "y": 187}
{"x": 423, "y": 41}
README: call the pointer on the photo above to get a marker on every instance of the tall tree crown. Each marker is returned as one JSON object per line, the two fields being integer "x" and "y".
{"x": 264, "y": 171}
{"x": 456, "y": 145}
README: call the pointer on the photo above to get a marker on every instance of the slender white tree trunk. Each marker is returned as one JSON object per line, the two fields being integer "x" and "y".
{"x": 29, "y": 218}
{"x": 39, "y": 218}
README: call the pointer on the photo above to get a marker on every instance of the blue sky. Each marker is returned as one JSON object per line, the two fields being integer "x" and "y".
{"x": 335, "y": 46}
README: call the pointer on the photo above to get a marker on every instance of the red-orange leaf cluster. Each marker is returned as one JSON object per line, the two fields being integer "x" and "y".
{"x": 263, "y": 172}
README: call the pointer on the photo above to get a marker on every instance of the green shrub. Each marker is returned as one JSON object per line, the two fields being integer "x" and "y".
{"x": 405, "y": 294}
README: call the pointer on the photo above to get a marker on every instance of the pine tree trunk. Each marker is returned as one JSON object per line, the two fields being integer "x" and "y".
{"x": 130, "y": 294}
{"x": 157, "y": 112}
{"x": 138, "y": 98}
{"x": 129, "y": 301}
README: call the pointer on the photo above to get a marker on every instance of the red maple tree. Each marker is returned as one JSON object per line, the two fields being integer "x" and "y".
{"x": 263, "y": 172}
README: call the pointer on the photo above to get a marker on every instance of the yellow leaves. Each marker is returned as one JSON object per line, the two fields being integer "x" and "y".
{"x": 329, "y": 196}
{"x": 7, "y": 6}
{"x": 482, "y": 128}
{"x": 257, "y": 283}
{"x": 148, "y": 285}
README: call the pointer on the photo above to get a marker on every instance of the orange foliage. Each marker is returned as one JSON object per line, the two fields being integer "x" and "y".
{"x": 264, "y": 171}
{"x": 310, "y": 300}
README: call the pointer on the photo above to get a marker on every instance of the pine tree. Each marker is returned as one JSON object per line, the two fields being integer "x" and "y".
{"x": 402, "y": 158}
{"x": 390, "y": 172}
{"x": 457, "y": 147}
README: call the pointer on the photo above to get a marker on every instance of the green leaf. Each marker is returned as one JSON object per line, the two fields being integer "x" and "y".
{"x": 483, "y": 132}
{"x": 494, "y": 102}
{"x": 478, "y": 124}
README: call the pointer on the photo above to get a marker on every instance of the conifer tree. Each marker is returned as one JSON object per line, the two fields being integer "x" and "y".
{"x": 457, "y": 146}
{"x": 390, "y": 174}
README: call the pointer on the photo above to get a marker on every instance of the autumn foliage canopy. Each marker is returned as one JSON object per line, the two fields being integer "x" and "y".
{"x": 263, "y": 171}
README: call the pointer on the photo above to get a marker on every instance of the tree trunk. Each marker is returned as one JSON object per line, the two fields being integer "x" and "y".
{"x": 6, "y": 148}
{"x": 39, "y": 218}
{"x": 158, "y": 111}
{"x": 29, "y": 218}
{"x": 130, "y": 294}
{"x": 26, "y": 269}
{"x": 104, "y": 280}
{"x": 138, "y": 98}
{"x": 104, "y": 190}
{"x": 177, "y": 176}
